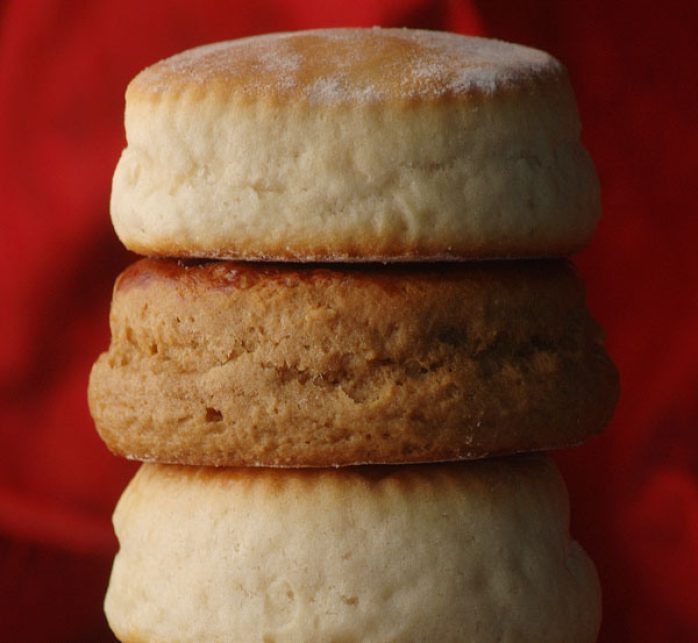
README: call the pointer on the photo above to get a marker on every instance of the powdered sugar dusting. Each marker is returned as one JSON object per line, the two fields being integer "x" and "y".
{"x": 351, "y": 65}
{"x": 337, "y": 88}
{"x": 284, "y": 66}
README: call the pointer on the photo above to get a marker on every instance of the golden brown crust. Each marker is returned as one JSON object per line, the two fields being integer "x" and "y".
{"x": 222, "y": 363}
{"x": 349, "y": 66}
{"x": 374, "y": 251}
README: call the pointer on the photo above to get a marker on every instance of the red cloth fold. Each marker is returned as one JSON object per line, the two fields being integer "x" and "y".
{"x": 63, "y": 70}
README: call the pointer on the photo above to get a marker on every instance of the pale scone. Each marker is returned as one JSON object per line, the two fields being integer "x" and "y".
{"x": 469, "y": 552}
{"x": 354, "y": 144}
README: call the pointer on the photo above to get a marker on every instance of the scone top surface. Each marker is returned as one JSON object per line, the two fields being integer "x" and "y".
{"x": 354, "y": 144}
{"x": 333, "y": 66}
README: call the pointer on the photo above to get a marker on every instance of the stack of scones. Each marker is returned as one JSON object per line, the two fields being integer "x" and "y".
{"x": 353, "y": 336}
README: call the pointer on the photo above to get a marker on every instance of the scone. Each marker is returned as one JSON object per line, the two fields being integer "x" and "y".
{"x": 469, "y": 552}
{"x": 224, "y": 363}
{"x": 354, "y": 145}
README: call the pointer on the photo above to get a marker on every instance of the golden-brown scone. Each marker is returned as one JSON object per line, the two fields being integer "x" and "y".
{"x": 476, "y": 552}
{"x": 354, "y": 144}
{"x": 223, "y": 363}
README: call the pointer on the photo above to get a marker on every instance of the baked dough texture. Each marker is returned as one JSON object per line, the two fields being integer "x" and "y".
{"x": 473, "y": 552}
{"x": 354, "y": 145}
{"x": 224, "y": 363}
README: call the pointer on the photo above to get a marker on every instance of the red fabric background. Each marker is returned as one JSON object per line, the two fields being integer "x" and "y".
{"x": 63, "y": 69}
